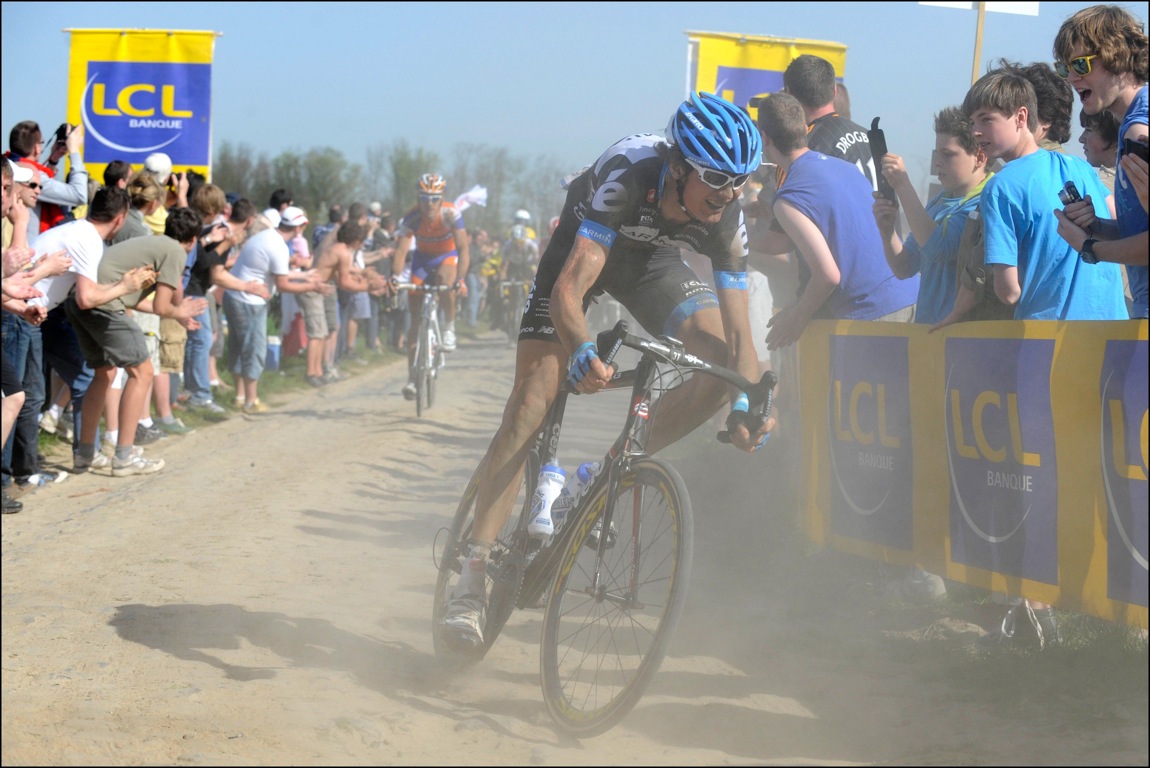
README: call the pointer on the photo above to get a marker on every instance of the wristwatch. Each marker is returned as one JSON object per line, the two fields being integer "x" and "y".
{"x": 1087, "y": 251}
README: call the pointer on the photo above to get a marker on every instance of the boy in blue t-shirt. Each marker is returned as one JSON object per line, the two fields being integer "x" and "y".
{"x": 931, "y": 250}
{"x": 1035, "y": 270}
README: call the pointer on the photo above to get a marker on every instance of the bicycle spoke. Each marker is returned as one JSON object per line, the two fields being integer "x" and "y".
{"x": 602, "y": 642}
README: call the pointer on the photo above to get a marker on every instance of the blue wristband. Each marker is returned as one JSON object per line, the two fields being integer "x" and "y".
{"x": 741, "y": 403}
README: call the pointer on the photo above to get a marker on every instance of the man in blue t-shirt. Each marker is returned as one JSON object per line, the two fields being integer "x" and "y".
{"x": 1035, "y": 270}
{"x": 824, "y": 206}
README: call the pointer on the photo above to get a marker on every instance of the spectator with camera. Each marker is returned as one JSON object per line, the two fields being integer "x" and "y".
{"x": 60, "y": 190}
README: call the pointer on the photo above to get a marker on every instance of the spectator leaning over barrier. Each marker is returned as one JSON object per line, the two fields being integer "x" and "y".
{"x": 1034, "y": 271}
{"x": 824, "y": 207}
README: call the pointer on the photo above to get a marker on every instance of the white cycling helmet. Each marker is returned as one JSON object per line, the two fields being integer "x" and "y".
{"x": 522, "y": 215}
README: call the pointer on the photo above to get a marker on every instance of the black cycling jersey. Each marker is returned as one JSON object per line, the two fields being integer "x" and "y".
{"x": 616, "y": 202}
{"x": 836, "y": 136}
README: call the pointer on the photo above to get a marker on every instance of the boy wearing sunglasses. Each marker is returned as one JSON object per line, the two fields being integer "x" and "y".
{"x": 1102, "y": 53}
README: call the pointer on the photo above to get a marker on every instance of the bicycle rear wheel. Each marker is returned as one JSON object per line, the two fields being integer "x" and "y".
{"x": 602, "y": 644}
{"x": 504, "y": 570}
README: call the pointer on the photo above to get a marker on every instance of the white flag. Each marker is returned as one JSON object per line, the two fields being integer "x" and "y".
{"x": 477, "y": 195}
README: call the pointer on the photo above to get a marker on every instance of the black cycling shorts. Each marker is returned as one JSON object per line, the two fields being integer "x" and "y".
{"x": 660, "y": 294}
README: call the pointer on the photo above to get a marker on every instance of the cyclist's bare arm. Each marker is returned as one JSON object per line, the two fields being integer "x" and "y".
{"x": 582, "y": 269}
{"x": 401, "y": 249}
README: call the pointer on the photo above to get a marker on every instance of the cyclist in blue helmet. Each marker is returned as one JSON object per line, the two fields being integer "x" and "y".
{"x": 623, "y": 230}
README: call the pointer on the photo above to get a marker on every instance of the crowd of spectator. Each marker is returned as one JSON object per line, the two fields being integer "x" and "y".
{"x": 120, "y": 298}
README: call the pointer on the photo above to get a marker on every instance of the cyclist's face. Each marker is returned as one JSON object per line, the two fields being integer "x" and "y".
{"x": 705, "y": 202}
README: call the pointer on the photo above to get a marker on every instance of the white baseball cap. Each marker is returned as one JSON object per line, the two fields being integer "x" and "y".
{"x": 20, "y": 174}
{"x": 293, "y": 217}
{"x": 159, "y": 165}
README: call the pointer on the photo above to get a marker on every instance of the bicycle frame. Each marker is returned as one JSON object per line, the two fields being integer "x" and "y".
{"x": 630, "y": 444}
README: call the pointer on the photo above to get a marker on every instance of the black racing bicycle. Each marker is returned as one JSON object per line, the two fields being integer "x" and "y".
{"x": 513, "y": 294}
{"x": 429, "y": 356}
{"x": 611, "y": 602}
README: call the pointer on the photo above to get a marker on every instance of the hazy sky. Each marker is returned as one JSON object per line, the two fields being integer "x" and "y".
{"x": 558, "y": 79}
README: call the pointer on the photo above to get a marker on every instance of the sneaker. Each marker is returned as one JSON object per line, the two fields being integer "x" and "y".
{"x": 207, "y": 405}
{"x": 449, "y": 341}
{"x": 315, "y": 381}
{"x": 592, "y": 539}
{"x": 41, "y": 479}
{"x": 137, "y": 465}
{"x": 918, "y": 586}
{"x": 463, "y": 620}
{"x": 48, "y": 423}
{"x": 65, "y": 427}
{"x": 409, "y": 390}
{"x": 334, "y": 375}
{"x": 174, "y": 427}
{"x": 147, "y": 435}
{"x": 256, "y": 408}
{"x": 81, "y": 465}
{"x": 11, "y": 505}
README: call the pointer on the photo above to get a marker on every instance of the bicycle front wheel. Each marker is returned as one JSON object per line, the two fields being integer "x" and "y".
{"x": 603, "y": 640}
{"x": 422, "y": 368}
{"x": 430, "y": 370}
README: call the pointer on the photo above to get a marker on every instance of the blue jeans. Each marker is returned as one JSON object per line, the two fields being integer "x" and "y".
{"x": 22, "y": 349}
{"x": 247, "y": 337}
{"x": 197, "y": 359}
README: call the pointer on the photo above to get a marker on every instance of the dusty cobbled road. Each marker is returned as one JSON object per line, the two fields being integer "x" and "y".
{"x": 266, "y": 601}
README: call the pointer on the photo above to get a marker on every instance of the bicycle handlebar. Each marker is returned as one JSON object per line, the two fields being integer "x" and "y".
{"x": 760, "y": 395}
{"x": 424, "y": 288}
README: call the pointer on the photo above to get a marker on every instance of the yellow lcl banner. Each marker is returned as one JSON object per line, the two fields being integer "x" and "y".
{"x": 1008, "y": 455}
{"x": 742, "y": 67}
{"x": 139, "y": 91}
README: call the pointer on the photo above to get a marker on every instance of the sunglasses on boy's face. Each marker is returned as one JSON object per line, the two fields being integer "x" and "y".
{"x": 718, "y": 179}
{"x": 1080, "y": 66}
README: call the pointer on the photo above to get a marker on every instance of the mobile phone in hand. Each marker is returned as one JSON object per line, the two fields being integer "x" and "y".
{"x": 877, "y": 140}
{"x": 1137, "y": 148}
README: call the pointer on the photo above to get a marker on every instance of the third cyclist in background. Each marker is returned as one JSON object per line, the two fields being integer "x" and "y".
{"x": 441, "y": 256}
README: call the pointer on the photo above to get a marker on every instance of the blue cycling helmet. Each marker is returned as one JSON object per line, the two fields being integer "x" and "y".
{"x": 716, "y": 134}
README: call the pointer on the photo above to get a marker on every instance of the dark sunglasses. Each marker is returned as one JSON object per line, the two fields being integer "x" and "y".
{"x": 718, "y": 179}
{"x": 1080, "y": 65}
{"x": 430, "y": 198}
{"x": 32, "y": 184}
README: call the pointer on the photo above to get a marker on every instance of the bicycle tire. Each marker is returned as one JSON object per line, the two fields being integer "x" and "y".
{"x": 430, "y": 371}
{"x": 420, "y": 368}
{"x": 597, "y": 655}
{"x": 450, "y": 564}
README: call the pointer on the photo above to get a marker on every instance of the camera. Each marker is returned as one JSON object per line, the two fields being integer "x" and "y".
{"x": 62, "y": 132}
{"x": 1069, "y": 194}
